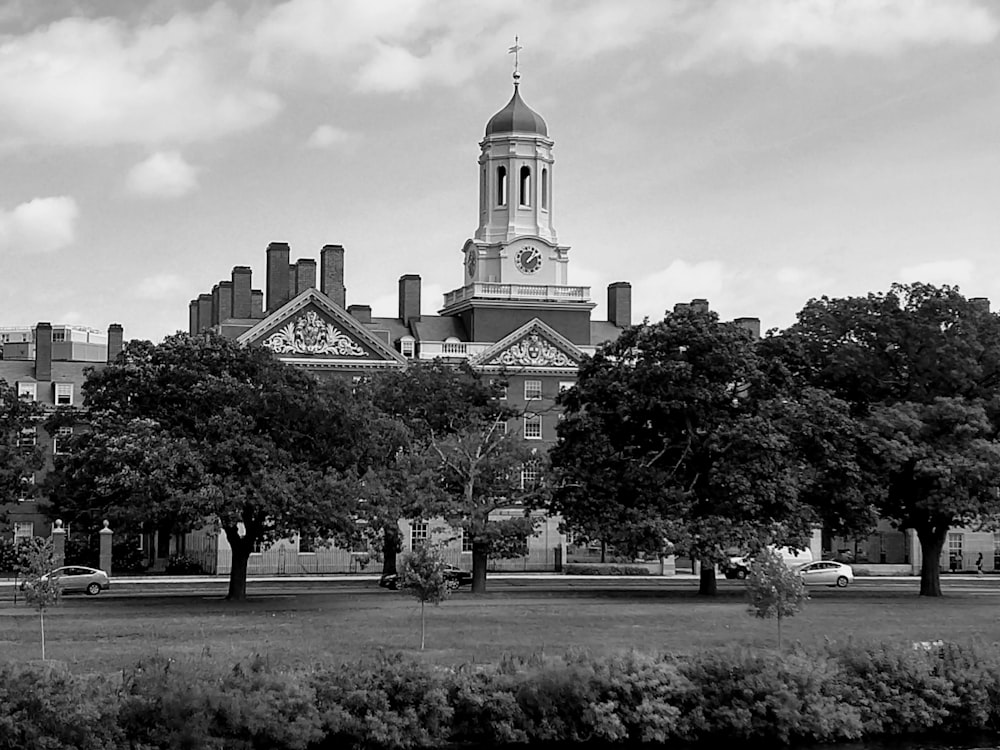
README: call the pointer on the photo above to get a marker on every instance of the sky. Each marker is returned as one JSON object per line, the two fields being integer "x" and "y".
{"x": 757, "y": 153}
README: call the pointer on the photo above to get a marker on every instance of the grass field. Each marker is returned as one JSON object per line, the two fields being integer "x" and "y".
{"x": 107, "y": 634}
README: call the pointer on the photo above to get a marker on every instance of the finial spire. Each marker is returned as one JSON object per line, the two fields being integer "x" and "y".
{"x": 514, "y": 50}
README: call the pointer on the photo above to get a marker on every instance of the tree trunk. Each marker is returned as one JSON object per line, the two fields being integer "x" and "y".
{"x": 480, "y": 554}
{"x": 390, "y": 547}
{"x": 604, "y": 550}
{"x": 241, "y": 547}
{"x": 707, "y": 585}
{"x": 931, "y": 543}
{"x": 41, "y": 620}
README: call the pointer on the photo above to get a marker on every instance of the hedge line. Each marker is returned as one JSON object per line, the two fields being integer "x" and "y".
{"x": 835, "y": 694}
{"x": 605, "y": 569}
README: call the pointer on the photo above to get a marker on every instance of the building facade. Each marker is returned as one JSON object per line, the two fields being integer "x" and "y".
{"x": 48, "y": 364}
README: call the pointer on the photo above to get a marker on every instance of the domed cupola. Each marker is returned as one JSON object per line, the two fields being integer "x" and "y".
{"x": 516, "y": 117}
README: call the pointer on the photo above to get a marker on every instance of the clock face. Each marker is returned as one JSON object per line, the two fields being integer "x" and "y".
{"x": 528, "y": 259}
{"x": 471, "y": 260}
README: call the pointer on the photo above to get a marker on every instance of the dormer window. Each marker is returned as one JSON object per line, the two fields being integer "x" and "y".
{"x": 407, "y": 346}
{"x": 27, "y": 391}
{"x": 524, "y": 186}
{"x": 501, "y": 186}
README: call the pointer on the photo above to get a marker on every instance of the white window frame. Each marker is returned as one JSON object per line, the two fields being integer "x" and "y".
{"x": 62, "y": 433}
{"x": 530, "y": 470}
{"x": 532, "y": 425}
{"x": 408, "y": 347}
{"x": 534, "y": 392}
{"x": 466, "y": 543}
{"x": 63, "y": 394}
{"x": 27, "y": 391}
{"x": 28, "y": 438}
{"x": 418, "y": 532}
{"x": 20, "y": 527}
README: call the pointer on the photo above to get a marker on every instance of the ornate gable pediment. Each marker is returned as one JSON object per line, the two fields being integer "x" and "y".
{"x": 533, "y": 345}
{"x": 312, "y": 331}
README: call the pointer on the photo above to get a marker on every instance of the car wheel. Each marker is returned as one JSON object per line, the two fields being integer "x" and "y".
{"x": 741, "y": 574}
{"x": 842, "y": 582}
{"x": 93, "y": 589}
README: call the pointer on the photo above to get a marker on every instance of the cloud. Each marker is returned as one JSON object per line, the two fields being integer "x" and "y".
{"x": 957, "y": 272}
{"x": 161, "y": 286}
{"x": 95, "y": 82}
{"x": 165, "y": 174}
{"x": 329, "y": 137}
{"x": 762, "y": 31}
{"x": 681, "y": 281}
{"x": 42, "y": 225}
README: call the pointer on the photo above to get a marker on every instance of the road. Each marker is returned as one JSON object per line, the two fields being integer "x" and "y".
{"x": 522, "y": 585}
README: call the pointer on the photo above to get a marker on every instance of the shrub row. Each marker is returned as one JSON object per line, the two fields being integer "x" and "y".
{"x": 836, "y": 694}
{"x": 605, "y": 569}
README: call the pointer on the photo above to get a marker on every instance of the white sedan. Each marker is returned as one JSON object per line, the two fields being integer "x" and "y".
{"x": 826, "y": 573}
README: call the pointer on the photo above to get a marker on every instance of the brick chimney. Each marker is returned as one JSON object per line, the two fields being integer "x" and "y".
{"x": 193, "y": 316}
{"x": 682, "y": 307}
{"x": 115, "y": 341}
{"x": 981, "y": 303}
{"x": 331, "y": 274}
{"x": 277, "y": 275}
{"x": 225, "y": 300}
{"x": 699, "y": 305}
{"x": 305, "y": 275}
{"x": 257, "y": 304}
{"x": 215, "y": 306}
{"x": 749, "y": 324}
{"x": 409, "y": 298}
{"x": 242, "y": 280}
{"x": 43, "y": 352}
{"x": 361, "y": 313}
{"x": 620, "y": 304}
{"x": 204, "y": 312}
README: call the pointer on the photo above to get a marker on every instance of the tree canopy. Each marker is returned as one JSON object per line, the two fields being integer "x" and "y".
{"x": 678, "y": 432}
{"x": 920, "y": 367}
{"x": 20, "y": 454}
{"x": 199, "y": 430}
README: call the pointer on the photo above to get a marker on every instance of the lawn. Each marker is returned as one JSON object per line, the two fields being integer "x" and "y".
{"x": 106, "y": 634}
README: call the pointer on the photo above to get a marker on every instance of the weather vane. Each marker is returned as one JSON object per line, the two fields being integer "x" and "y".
{"x": 514, "y": 50}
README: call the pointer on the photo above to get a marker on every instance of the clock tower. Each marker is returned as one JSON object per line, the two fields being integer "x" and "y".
{"x": 514, "y": 268}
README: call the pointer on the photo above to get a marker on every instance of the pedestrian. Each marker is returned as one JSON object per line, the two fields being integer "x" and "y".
{"x": 979, "y": 564}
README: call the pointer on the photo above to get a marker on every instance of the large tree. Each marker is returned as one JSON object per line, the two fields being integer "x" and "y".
{"x": 20, "y": 453}
{"x": 198, "y": 430}
{"x": 920, "y": 367}
{"x": 678, "y": 432}
{"x": 448, "y": 453}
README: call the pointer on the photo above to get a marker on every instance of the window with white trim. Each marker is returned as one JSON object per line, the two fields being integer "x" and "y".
{"x": 24, "y": 530}
{"x": 27, "y": 391}
{"x": 466, "y": 541}
{"x": 64, "y": 394}
{"x": 60, "y": 441}
{"x": 531, "y": 475}
{"x": 532, "y": 426}
{"x": 503, "y": 388}
{"x": 28, "y": 438}
{"x": 58, "y": 337}
{"x": 532, "y": 389}
{"x": 307, "y": 544}
{"x": 407, "y": 346}
{"x": 418, "y": 533}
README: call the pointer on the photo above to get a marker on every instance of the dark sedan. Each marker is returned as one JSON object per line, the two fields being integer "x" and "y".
{"x": 453, "y": 576}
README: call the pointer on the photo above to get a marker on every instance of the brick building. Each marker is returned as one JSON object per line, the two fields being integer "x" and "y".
{"x": 48, "y": 364}
{"x": 514, "y": 311}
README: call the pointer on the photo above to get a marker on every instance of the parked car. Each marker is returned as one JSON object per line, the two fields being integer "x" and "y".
{"x": 739, "y": 567}
{"x": 453, "y": 576}
{"x": 78, "y": 578}
{"x": 826, "y": 573}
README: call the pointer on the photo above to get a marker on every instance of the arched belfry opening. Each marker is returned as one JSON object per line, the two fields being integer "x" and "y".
{"x": 524, "y": 186}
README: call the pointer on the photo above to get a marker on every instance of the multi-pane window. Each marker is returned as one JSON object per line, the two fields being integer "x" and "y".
{"x": 530, "y": 475}
{"x": 27, "y": 391}
{"x": 466, "y": 541}
{"x": 24, "y": 530}
{"x": 58, "y": 336}
{"x": 60, "y": 441}
{"x": 996, "y": 550}
{"x": 407, "y": 346}
{"x": 502, "y": 389}
{"x": 533, "y": 426}
{"x": 532, "y": 389}
{"x": 64, "y": 394}
{"x": 418, "y": 533}
{"x": 955, "y": 545}
{"x": 28, "y": 438}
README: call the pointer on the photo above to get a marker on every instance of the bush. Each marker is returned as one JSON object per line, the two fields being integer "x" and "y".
{"x": 182, "y": 565}
{"x": 605, "y": 569}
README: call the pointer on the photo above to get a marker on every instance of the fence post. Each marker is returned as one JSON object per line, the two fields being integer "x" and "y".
{"x": 105, "y": 548}
{"x": 58, "y": 544}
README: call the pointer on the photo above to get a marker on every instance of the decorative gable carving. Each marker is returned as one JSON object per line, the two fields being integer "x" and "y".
{"x": 535, "y": 345}
{"x": 310, "y": 334}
